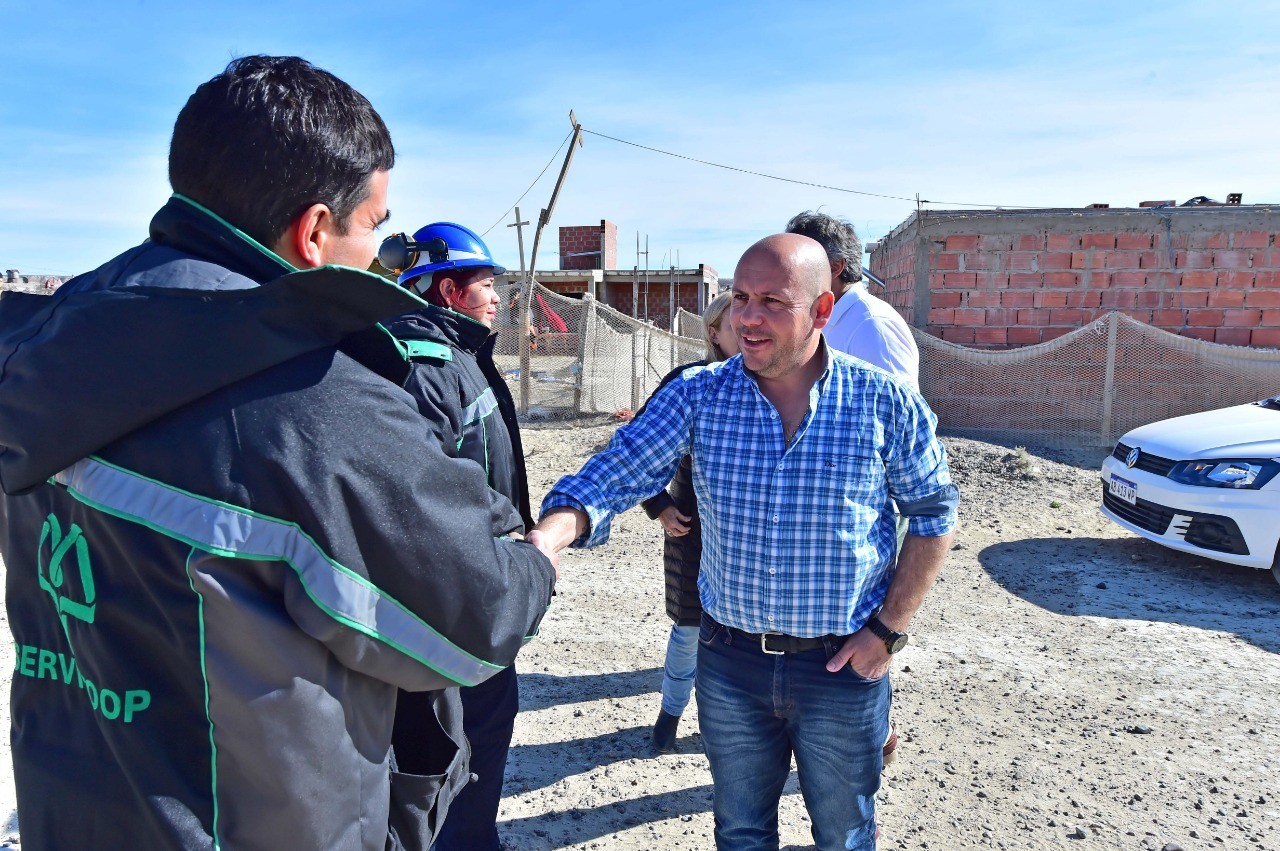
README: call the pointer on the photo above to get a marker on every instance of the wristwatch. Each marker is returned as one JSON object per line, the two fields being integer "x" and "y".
{"x": 895, "y": 641}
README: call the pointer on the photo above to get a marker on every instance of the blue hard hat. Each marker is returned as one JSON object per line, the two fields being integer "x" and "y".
{"x": 441, "y": 245}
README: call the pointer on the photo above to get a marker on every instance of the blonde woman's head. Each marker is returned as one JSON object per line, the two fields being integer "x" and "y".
{"x": 716, "y": 331}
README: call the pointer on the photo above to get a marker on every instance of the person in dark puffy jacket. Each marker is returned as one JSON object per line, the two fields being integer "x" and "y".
{"x": 676, "y": 508}
{"x": 466, "y": 402}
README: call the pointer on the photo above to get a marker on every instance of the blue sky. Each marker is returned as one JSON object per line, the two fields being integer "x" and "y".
{"x": 1002, "y": 103}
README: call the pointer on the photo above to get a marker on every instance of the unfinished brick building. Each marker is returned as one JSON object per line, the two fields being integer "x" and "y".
{"x": 1002, "y": 279}
{"x": 589, "y": 246}
{"x": 588, "y": 264}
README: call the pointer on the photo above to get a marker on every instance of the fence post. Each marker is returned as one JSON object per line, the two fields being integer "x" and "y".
{"x": 526, "y": 307}
{"x": 635, "y": 374}
{"x": 1109, "y": 383}
{"x": 588, "y": 327}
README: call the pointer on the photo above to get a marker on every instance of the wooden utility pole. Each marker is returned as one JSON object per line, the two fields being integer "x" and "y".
{"x": 519, "y": 226}
{"x": 545, "y": 216}
{"x": 527, "y": 292}
{"x": 522, "y": 306}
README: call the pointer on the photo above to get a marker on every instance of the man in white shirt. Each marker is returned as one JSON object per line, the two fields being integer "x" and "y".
{"x": 861, "y": 324}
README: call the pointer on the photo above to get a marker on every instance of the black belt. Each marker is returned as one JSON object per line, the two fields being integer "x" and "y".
{"x": 775, "y": 643}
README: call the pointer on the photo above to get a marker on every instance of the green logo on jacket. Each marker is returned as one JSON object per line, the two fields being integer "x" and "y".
{"x": 64, "y": 570}
{"x": 53, "y": 578}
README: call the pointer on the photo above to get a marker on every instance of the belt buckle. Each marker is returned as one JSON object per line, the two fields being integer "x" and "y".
{"x": 764, "y": 647}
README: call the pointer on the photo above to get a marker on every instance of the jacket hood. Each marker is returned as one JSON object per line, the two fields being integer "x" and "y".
{"x": 198, "y": 308}
{"x": 440, "y": 325}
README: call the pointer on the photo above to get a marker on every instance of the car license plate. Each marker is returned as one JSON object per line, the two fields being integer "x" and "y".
{"x": 1124, "y": 489}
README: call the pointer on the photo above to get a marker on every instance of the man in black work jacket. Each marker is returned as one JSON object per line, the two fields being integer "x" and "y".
{"x": 228, "y": 541}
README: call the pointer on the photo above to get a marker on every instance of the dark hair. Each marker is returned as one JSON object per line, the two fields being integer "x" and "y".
{"x": 837, "y": 237}
{"x": 463, "y": 276}
{"x": 272, "y": 135}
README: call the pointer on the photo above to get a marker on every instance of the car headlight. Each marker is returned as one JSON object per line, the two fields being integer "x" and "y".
{"x": 1250, "y": 473}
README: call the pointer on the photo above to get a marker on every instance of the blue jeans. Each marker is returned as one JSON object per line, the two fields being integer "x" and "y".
{"x": 679, "y": 670}
{"x": 756, "y": 710}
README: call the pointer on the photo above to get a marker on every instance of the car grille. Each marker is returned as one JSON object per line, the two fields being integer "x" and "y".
{"x": 1145, "y": 515}
{"x": 1207, "y": 531}
{"x": 1146, "y": 461}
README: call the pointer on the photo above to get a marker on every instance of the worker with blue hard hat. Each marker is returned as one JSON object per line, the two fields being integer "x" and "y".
{"x": 437, "y": 247}
{"x": 458, "y": 388}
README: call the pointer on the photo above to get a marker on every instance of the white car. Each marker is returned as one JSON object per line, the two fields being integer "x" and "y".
{"x": 1205, "y": 483}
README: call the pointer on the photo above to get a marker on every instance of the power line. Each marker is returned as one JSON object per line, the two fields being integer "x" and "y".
{"x": 531, "y": 185}
{"x": 746, "y": 171}
{"x": 801, "y": 182}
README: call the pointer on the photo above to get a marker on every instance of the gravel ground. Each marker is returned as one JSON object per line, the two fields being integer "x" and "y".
{"x": 1068, "y": 685}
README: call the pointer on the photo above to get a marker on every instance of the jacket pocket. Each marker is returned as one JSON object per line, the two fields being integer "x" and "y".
{"x": 420, "y": 802}
{"x": 418, "y": 808}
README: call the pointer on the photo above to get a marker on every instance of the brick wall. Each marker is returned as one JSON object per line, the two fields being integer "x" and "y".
{"x": 580, "y": 246}
{"x": 618, "y": 295}
{"x": 1004, "y": 279}
{"x": 614, "y": 287}
{"x": 897, "y": 270}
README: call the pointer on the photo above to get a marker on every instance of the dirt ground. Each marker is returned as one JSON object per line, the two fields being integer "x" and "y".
{"x": 1068, "y": 685}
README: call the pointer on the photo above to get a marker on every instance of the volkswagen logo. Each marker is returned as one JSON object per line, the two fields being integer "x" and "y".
{"x": 1132, "y": 457}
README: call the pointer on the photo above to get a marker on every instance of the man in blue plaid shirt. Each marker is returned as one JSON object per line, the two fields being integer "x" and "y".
{"x": 797, "y": 450}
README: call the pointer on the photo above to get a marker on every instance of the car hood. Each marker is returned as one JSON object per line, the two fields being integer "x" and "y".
{"x": 1241, "y": 431}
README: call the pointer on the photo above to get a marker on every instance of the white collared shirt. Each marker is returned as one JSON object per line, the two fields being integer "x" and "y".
{"x": 871, "y": 330}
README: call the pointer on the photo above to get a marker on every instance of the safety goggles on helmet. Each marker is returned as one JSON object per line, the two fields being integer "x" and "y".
{"x": 398, "y": 252}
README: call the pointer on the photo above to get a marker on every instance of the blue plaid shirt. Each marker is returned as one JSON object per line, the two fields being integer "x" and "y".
{"x": 796, "y": 539}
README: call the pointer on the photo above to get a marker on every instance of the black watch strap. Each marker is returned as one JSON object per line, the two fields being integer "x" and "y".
{"x": 893, "y": 641}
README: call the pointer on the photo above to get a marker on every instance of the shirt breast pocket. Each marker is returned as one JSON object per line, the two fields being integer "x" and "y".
{"x": 852, "y": 478}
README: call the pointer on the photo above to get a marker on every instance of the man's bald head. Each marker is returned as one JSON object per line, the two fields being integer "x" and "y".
{"x": 795, "y": 257}
{"x": 781, "y": 300}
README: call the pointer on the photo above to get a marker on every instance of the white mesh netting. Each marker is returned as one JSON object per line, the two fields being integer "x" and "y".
{"x": 688, "y": 324}
{"x": 566, "y": 357}
{"x": 1088, "y": 387}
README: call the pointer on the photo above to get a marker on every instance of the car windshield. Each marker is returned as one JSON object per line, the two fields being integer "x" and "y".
{"x": 1273, "y": 402}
